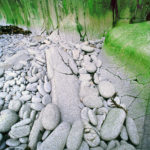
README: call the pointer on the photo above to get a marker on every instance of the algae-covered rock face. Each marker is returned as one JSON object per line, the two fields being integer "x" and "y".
{"x": 91, "y": 18}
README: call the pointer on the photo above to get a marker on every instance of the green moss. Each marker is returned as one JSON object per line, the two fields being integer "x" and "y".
{"x": 92, "y": 17}
{"x": 131, "y": 45}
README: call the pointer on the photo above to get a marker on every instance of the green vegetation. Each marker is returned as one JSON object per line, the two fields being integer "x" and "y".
{"x": 130, "y": 43}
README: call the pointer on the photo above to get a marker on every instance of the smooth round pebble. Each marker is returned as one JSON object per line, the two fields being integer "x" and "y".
{"x": 37, "y": 106}
{"x": 12, "y": 142}
{"x": 106, "y": 89}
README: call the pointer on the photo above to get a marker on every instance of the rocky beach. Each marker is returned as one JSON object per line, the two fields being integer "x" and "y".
{"x": 60, "y": 95}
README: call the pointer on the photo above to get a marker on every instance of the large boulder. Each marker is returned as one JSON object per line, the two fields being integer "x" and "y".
{"x": 65, "y": 84}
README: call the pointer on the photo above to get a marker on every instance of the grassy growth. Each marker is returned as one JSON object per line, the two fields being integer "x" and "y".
{"x": 130, "y": 43}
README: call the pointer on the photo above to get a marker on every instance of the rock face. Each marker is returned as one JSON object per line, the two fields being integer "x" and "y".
{"x": 64, "y": 85}
{"x": 57, "y": 139}
{"x": 51, "y": 117}
{"x": 7, "y": 119}
{"x": 75, "y": 136}
{"x": 132, "y": 131}
{"x": 106, "y": 89}
{"x": 113, "y": 124}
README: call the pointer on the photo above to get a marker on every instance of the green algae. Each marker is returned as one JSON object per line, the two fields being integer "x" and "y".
{"x": 91, "y": 18}
{"x": 131, "y": 45}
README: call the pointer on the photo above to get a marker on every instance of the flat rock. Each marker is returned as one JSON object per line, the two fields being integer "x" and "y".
{"x": 112, "y": 126}
{"x": 65, "y": 92}
{"x": 57, "y": 139}
{"x": 106, "y": 89}
{"x": 75, "y": 136}
{"x": 132, "y": 131}
{"x": 92, "y": 101}
{"x": 68, "y": 60}
{"x": 87, "y": 49}
{"x": 51, "y": 117}
{"x": 7, "y": 119}
{"x": 55, "y": 62}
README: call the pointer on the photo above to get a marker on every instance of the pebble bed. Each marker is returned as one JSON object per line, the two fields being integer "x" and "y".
{"x": 30, "y": 120}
